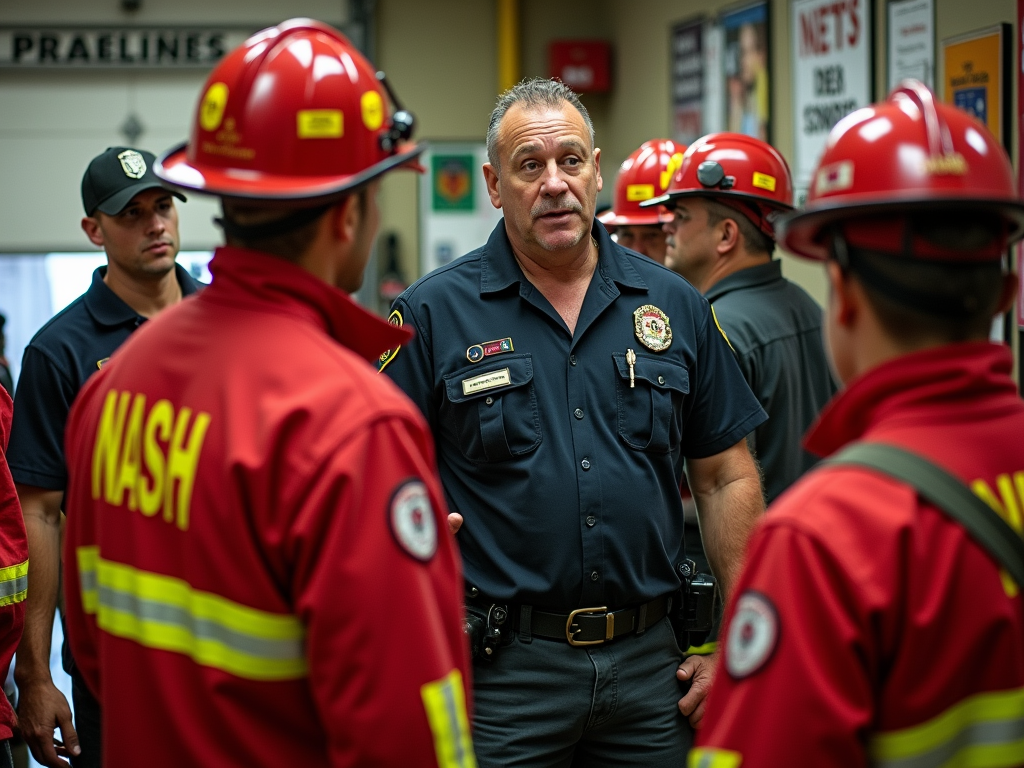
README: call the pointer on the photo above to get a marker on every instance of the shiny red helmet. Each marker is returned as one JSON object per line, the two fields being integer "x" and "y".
{"x": 644, "y": 174}
{"x": 294, "y": 113}
{"x": 740, "y": 171}
{"x": 907, "y": 155}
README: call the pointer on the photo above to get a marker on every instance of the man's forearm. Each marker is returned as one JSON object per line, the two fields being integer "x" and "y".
{"x": 42, "y": 525}
{"x": 727, "y": 491}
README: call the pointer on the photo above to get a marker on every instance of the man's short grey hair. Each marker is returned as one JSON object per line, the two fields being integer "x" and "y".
{"x": 536, "y": 92}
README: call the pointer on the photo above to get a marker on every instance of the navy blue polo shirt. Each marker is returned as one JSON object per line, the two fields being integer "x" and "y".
{"x": 567, "y": 477}
{"x": 61, "y": 356}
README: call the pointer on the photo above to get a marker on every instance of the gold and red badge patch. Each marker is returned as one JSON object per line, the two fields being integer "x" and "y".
{"x": 652, "y": 328}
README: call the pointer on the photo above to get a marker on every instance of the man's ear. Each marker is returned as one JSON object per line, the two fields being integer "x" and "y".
{"x": 345, "y": 218}
{"x": 728, "y": 236}
{"x": 92, "y": 230}
{"x": 597, "y": 167}
{"x": 491, "y": 180}
{"x": 846, "y": 297}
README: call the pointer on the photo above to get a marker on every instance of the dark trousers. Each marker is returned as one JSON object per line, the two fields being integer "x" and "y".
{"x": 546, "y": 704}
{"x": 87, "y": 724}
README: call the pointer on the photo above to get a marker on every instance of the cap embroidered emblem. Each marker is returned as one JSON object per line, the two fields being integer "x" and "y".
{"x": 652, "y": 328}
{"x": 753, "y": 635}
{"x": 133, "y": 164}
{"x": 412, "y": 520}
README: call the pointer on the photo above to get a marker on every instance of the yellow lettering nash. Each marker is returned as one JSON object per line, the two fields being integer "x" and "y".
{"x": 158, "y": 429}
{"x": 1008, "y": 506}
{"x": 128, "y": 474}
{"x": 182, "y": 463}
{"x": 106, "y": 453}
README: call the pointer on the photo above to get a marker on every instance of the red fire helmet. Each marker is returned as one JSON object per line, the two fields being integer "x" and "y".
{"x": 907, "y": 155}
{"x": 644, "y": 174}
{"x": 294, "y": 113}
{"x": 740, "y": 171}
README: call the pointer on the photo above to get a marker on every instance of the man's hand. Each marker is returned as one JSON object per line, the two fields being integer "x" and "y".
{"x": 41, "y": 708}
{"x": 454, "y": 522}
{"x": 700, "y": 670}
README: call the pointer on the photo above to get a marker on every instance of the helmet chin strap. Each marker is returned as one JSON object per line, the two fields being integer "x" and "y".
{"x": 275, "y": 228}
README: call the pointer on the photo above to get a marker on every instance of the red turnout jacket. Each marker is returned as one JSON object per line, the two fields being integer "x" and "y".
{"x": 868, "y": 628}
{"x": 13, "y": 566}
{"x": 259, "y": 569}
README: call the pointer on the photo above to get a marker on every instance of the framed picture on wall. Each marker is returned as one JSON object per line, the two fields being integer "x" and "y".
{"x": 687, "y": 78}
{"x": 911, "y": 38}
{"x": 746, "y": 57}
{"x": 976, "y": 77}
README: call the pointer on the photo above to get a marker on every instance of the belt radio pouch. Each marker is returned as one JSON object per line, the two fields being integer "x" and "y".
{"x": 485, "y": 628}
{"x": 693, "y": 606}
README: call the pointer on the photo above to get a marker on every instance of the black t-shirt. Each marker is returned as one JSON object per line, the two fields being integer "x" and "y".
{"x": 72, "y": 346}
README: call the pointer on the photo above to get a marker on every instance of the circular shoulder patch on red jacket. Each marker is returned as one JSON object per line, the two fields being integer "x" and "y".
{"x": 412, "y": 519}
{"x": 753, "y": 634}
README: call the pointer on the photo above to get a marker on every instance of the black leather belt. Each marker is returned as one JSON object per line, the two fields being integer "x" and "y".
{"x": 587, "y": 626}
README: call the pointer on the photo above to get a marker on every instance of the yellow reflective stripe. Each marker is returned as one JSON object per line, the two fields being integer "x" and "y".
{"x": 709, "y": 757}
{"x": 166, "y": 613}
{"x": 983, "y": 731}
{"x": 88, "y": 557}
{"x": 445, "y": 704}
{"x": 721, "y": 330}
{"x": 13, "y": 583}
{"x": 702, "y": 650}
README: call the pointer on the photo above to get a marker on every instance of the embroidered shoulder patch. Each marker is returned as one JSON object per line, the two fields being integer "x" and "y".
{"x": 753, "y": 634}
{"x": 411, "y": 518}
{"x": 395, "y": 318}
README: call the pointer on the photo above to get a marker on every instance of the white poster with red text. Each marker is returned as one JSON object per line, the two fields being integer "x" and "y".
{"x": 831, "y": 74}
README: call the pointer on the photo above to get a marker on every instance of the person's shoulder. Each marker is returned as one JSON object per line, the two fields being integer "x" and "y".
{"x": 846, "y": 509}
{"x": 55, "y": 332}
{"x": 461, "y": 273}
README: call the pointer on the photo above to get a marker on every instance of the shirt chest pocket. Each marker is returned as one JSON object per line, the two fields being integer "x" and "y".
{"x": 650, "y": 411}
{"x": 490, "y": 411}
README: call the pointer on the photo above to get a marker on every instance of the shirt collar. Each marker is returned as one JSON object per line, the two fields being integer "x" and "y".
{"x": 499, "y": 269}
{"x": 946, "y": 379}
{"x": 249, "y": 278}
{"x": 107, "y": 308}
{"x": 745, "y": 278}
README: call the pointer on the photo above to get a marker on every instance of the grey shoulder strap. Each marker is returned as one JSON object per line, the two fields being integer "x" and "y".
{"x": 946, "y": 492}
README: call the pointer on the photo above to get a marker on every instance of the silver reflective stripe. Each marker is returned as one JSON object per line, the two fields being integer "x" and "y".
{"x": 12, "y": 587}
{"x": 978, "y": 735}
{"x": 201, "y": 629}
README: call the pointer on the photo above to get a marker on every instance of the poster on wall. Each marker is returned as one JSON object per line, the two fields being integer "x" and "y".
{"x": 976, "y": 79}
{"x": 911, "y": 41}
{"x": 687, "y": 81}
{"x": 714, "y": 78}
{"x": 747, "y": 83}
{"x": 456, "y": 214}
{"x": 831, "y": 75}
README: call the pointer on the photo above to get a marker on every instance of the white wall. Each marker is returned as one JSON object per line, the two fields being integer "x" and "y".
{"x": 52, "y": 123}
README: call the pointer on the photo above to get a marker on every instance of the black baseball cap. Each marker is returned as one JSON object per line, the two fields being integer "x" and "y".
{"x": 115, "y": 177}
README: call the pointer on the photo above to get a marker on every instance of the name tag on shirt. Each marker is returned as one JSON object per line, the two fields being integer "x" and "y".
{"x": 486, "y": 381}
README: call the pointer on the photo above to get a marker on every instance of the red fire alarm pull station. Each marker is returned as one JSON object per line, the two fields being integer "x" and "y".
{"x": 583, "y": 65}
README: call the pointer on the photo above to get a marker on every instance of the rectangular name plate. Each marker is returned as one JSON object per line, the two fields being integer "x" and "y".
{"x": 486, "y": 381}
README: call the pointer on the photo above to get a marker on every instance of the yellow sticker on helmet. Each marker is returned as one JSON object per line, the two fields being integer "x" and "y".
{"x": 637, "y": 192}
{"x": 674, "y": 164}
{"x": 319, "y": 123}
{"x": 764, "y": 181}
{"x": 211, "y": 112}
{"x": 373, "y": 110}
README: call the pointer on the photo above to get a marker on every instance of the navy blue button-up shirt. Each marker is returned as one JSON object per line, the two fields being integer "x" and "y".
{"x": 567, "y": 476}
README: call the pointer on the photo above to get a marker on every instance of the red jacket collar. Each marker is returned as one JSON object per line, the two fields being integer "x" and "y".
{"x": 253, "y": 279}
{"x": 948, "y": 377}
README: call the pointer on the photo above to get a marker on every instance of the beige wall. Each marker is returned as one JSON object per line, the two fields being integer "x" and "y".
{"x": 453, "y": 92}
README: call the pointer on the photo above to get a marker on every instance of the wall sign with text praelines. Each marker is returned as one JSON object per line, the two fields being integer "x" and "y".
{"x": 116, "y": 48}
